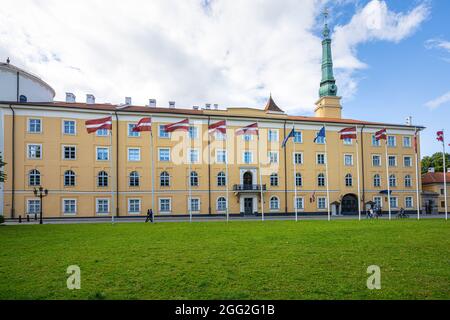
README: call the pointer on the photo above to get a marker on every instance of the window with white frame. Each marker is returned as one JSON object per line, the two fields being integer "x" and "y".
{"x": 375, "y": 142}
{"x": 164, "y": 154}
{"x": 407, "y": 142}
{"x": 321, "y": 180}
{"x": 409, "y": 202}
{"x": 134, "y": 206}
{"x": 164, "y": 179}
{"x": 132, "y": 133}
{"x": 298, "y": 157}
{"x": 376, "y": 160}
{"x": 408, "y": 181}
{"x": 33, "y": 206}
{"x": 34, "y": 151}
{"x": 102, "y": 153}
{"x": 248, "y": 157}
{"x": 298, "y": 137}
{"x": 273, "y": 157}
{"x": 221, "y": 156}
{"x": 193, "y": 179}
{"x": 348, "y": 159}
{"x": 274, "y": 180}
{"x": 69, "y": 206}
{"x": 134, "y": 179}
{"x": 34, "y": 178}
{"x": 162, "y": 131}
{"x": 274, "y": 203}
{"x": 193, "y": 132}
{"x": 348, "y": 180}
{"x": 221, "y": 204}
{"x": 392, "y": 160}
{"x": 220, "y": 136}
{"x": 102, "y": 179}
{"x": 69, "y": 178}
{"x": 102, "y": 132}
{"x": 193, "y": 155}
{"x": 221, "y": 179}
{"x": 247, "y": 137}
{"x": 299, "y": 203}
{"x": 377, "y": 181}
{"x": 394, "y": 202}
{"x": 102, "y": 206}
{"x": 320, "y": 140}
{"x": 391, "y": 141}
{"x": 272, "y": 135}
{"x": 134, "y": 154}
{"x": 69, "y": 127}
{"x": 347, "y": 141}
{"x": 407, "y": 161}
{"x": 320, "y": 158}
{"x": 392, "y": 180}
{"x": 321, "y": 203}
{"x": 69, "y": 152}
{"x": 34, "y": 125}
{"x": 194, "y": 204}
{"x": 298, "y": 179}
{"x": 165, "y": 205}
{"x": 378, "y": 202}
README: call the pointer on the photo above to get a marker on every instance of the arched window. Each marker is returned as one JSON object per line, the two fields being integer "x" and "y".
{"x": 392, "y": 180}
{"x": 221, "y": 204}
{"x": 376, "y": 180}
{"x": 274, "y": 180}
{"x": 408, "y": 181}
{"x": 193, "y": 179}
{"x": 134, "y": 179}
{"x": 274, "y": 203}
{"x": 221, "y": 179}
{"x": 102, "y": 179}
{"x": 298, "y": 179}
{"x": 69, "y": 178}
{"x": 34, "y": 178}
{"x": 164, "y": 179}
{"x": 321, "y": 180}
{"x": 348, "y": 180}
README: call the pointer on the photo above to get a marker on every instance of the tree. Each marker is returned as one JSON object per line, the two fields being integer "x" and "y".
{"x": 2, "y": 172}
{"x": 435, "y": 161}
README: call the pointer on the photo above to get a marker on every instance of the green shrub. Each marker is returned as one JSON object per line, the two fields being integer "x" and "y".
{"x": 2, "y": 219}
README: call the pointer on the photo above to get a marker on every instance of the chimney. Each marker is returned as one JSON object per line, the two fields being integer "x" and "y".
{"x": 128, "y": 101}
{"x": 90, "y": 99}
{"x": 152, "y": 103}
{"x": 216, "y": 106}
{"x": 171, "y": 104}
{"x": 195, "y": 107}
{"x": 431, "y": 170}
{"x": 70, "y": 97}
{"x": 208, "y": 106}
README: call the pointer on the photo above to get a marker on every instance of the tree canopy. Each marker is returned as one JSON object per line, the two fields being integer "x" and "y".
{"x": 435, "y": 161}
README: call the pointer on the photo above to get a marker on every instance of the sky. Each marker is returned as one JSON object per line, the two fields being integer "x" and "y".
{"x": 391, "y": 58}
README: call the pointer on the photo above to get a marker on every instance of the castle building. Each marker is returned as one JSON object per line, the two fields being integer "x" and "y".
{"x": 121, "y": 172}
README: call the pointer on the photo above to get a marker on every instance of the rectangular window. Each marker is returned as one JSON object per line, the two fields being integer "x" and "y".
{"x": 34, "y": 151}
{"x": 392, "y": 161}
{"x": 299, "y": 204}
{"x": 102, "y": 132}
{"x": 247, "y": 137}
{"x": 298, "y": 158}
{"x": 347, "y": 141}
{"x": 272, "y": 135}
{"x": 273, "y": 157}
{"x": 391, "y": 141}
{"x": 164, "y": 205}
{"x": 394, "y": 202}
{"x": 193, "y": 132}
{"x": 102, "y": 153}
{"x": 298, "y": 137}
{"x": 376, "y": 160}
{"x": 162, "y": 132}
{"x": 134, "y": 206}
{"x": 134, "y": 154}
{"x": 321, "y": 202}
{"x": 194, "y": 204}
{"x": 193, "y": 156}
{"x": 320, "y": 158}
{"x": 348, "y": 160}
{"x": 164, "y": 154}
{"x": 375, "y": 142}
{"x": 443, "y": 204}
{"x": 34, "y": 126}
{"x": 378, "y": 201}
{"x": 34, "y": 206}
{"x": 102, "y": 206}
{"x": 442, "y": 190}
{"x": 69, "y": 206}
{"x": 69, "y": 152}
{"x": 248, "y": 157}
{"x": 221, "y": 156}
{"x": 220, "y": 136}
{"x": 69, "y": 127}
{"x": 320, "y": 140}
{"x": 409, "y": 202}
{"x": 131, "y": 133}
{"x": 407, "y": 142}
{"x": 407, "y": 161}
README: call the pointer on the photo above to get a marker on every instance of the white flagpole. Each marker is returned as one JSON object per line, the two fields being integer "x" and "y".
{"x": 445, "y": 175}
{"x": 112, "y": 171}
{"x": 226, "y": 173}
{"x": 295, "y": 175}
{"x": 152, "y": 169}
{"x": 326, "y": 173}
{"x": 387, "y": 178}
{"x": 190, "y": 171}
{"x": 260, "y": 174}
{"x": 357, "y": 169}
{"x": 417, "y": 173}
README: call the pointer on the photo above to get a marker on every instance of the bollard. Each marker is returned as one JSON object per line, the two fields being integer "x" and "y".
{"x": 20, "y": 219}
{"x": 28, "y": 218}
{"x": 35, "y": 216}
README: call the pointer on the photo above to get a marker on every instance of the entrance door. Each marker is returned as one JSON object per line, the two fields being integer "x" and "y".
{"x": 350, "y": 204}
{"x": 248, "y": 206}
{"x": 248, "y": 180}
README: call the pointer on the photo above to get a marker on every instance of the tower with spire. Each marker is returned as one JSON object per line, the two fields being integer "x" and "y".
{"x": 328, "y": 105}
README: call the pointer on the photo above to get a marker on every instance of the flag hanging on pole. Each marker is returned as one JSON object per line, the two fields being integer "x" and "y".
{"x": 381, "y": 135}
{"x": 250, "y": 129}
{"x": 220, "y": 126}
{"x": 97, "y": 124}
{"x": 290, "y": 135}
{"x": 440, "y": 136}
{"x": 320, "y": 134}
{"x": 145, "y": 124}
{"x": 415, "y": 140}
{"x": 181, "y": 125}
{"x": 348, "y": 133}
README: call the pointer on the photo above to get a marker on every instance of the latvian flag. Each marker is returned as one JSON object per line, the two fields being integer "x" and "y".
{"x": 381, "y": 135}
{"x": 220, "y": 126}
{"x": 97, "y": 124}
{"x": 440, "y": 136}
{"x": 250, "y": 129}
{"x": 348, "y": 133}
{"x": 145, "y": 124}
{"x": 181, "y": 125}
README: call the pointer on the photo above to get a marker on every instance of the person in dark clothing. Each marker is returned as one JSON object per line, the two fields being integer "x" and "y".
{"x": 149, "y": 216}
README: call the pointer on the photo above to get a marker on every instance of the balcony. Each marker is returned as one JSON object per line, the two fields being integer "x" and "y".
{"x": 248, "y": 187}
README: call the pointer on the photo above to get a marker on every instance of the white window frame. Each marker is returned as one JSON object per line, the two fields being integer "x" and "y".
{"x": 409, "y": 143}
{"x": 64, "y": 179}
{"x": 247, "y": 137}
{"x": 130, "y": 133}
{"x": 40, "y": 151}
{"x": 347, "y": 141}
{"x": 63, "y": 127}
{"x": 195, "y": 131}
{"x": 275, "y": 154}
{"x": 325, "y": 203}
{"x": 295, "y": 179}
{"x": 217, "y": 156}
{"x": 324, "y": 159}
{"x": 410, "y": 161}
{"x": 219, "y": 136}
{"x": 28, "y": 206}
{"x": 275, "y": 137}
{"x": 97, "y": 212}
{"x": 381, "y": 200}
{"x": 373, "y": 180}
{"x": 64, "y": 152}
{"x": 379, "y": 158}
{"x": 351, "y": 160}
{"x": 388, "y": 143}
{"x": 29, "y": 125}
{"x": 129, "y": 205}
{"x": 412, "y": 202}
{"x": 159, "y": 132}
{"x": 395, "y": 205}
{"x": 102, "y": 147}
{"x": 190, "y": 151}
{"x": 139, "y": 154}
{"x": 169, "y": 202}
{"x": 217, "y": 204}
{"x": 97, "y": 133}
{"x": 251, "y": 157}
{"x": 395, "y": 160}
{"x": 375, "y": 143}
{"x": 294, "y": 158}
{"x": 159, "y": 154}
{"x": 190, "y": 204}
{"x": 278, "y": 203}
{"x": 303, "y": 203}
{"x": 300, "y": 134}
{"x": 63, "y": 204}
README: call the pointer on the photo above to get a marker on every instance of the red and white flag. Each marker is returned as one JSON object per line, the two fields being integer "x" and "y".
{"x": 250, "y": 129}
{"x": 348, "y": 133}
{"x": 145, "y": 124}
{"x": 181, "y": 125}
{"x": 97, "y": 124}
{"x": 440, "y": 136}
{"x": 415, "y": 140}
{"x": 381, "y": 135}
{"x": 220, "y": 126}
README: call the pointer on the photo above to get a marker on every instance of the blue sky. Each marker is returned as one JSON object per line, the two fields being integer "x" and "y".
{"x": 392, "y": 57}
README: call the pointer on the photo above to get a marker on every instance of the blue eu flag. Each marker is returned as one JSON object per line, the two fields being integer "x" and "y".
{"x": 290, "y": 135}
{"x": 320, "y": 134}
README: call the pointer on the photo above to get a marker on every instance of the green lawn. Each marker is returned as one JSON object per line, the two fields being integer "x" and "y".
{"x": 238, "y": 260}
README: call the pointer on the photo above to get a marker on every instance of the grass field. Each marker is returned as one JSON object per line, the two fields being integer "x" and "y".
{"x": 239, "y": 260}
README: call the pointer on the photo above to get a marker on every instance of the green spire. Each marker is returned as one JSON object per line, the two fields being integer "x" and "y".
{"x": 327, "y": 84}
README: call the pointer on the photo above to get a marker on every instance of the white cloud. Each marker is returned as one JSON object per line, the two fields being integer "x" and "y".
{"x": 438, "y": 43}
{"x": 228, "y": 52}
{"x": 439, "y": 101}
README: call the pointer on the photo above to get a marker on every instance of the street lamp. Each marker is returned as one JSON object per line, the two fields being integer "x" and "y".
{"x": 40, "y": 192}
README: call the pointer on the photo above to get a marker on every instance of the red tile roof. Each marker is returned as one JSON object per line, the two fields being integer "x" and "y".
{"x": 435, "y": 177}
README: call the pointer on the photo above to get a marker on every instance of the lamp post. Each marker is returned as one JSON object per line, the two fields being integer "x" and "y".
{"x": 41, "y": 193}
